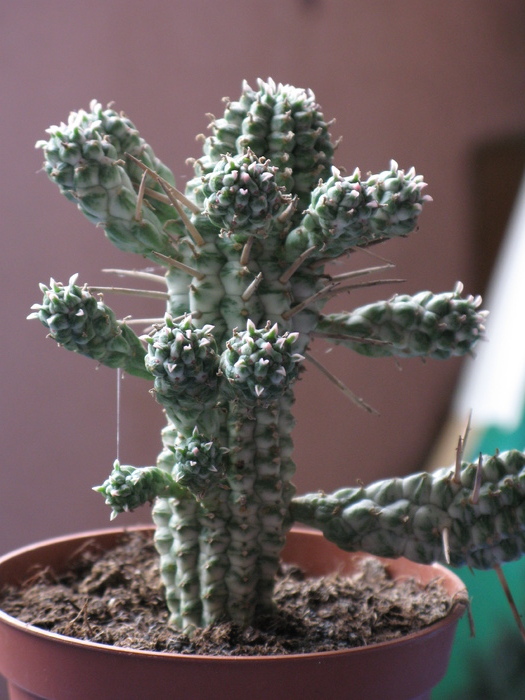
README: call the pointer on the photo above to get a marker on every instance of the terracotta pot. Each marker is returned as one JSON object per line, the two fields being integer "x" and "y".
{"x": 40, "y": 664}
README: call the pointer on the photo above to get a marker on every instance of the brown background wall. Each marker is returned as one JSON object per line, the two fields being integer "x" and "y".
{"x": 423, "y": 82}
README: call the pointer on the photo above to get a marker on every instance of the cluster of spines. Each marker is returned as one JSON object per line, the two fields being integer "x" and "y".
{"x": 199, "y": 463}
{"x": 241, "y": 195}
{"x": 183, "y": 360}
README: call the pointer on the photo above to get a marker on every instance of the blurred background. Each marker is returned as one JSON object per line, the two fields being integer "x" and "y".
{"x": 436, "y": 85}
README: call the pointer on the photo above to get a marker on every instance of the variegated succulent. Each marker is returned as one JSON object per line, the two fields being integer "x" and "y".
{"x": 243, "y": 255}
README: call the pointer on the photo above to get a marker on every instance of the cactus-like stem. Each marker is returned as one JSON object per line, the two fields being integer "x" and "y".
{"x": 483, "y": 514}
{"x": 422, "y": 325}
{"x": 86, "y": 163}
{"x": 214, "y": 561}
{"x": 162, "y": 513}
{"x": 279, "y": 122}
{"x": 244, "y": 251}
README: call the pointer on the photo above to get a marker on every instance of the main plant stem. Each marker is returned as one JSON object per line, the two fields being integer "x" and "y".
{"x": 220, "y": 549}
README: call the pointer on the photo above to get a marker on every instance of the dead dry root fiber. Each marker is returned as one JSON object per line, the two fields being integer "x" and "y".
{"x": 116, "y": 598}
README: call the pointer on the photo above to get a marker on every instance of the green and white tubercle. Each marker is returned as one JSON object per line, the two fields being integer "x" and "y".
{"x": 259, "y": 485}
{"x": 471, "y": 517}
{"x": 85, "y": 324}
{"x": 203, "y": 530}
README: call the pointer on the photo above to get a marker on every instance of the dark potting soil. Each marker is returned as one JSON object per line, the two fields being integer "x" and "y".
{"x": 116, "y": 598}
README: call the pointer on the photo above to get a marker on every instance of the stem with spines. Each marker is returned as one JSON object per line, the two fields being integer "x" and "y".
{"x": 244, "y": 253}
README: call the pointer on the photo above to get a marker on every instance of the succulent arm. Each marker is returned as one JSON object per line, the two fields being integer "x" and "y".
{"x": 82, "y": 323}
{"x": 474, "y": 516}
{"x": 424, "y": 325}
{"x": 129, "y": 487}
{"x": 87, "y": 159}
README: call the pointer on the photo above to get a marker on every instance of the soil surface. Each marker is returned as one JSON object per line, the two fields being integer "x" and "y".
{"x": 116, "y": 598}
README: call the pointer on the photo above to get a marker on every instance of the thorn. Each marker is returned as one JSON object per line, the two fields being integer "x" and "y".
{"x": 134, "y": 292}
{"x": 339, "y": 384}
{"x": 139, "y": 274}
{"x": 158, "y": 196}
{"x": 252, "y": 287}
{"x": 287, "y": 213}
{"x": 351, "y": 338}
{"x": 460, "y": 449}
{"x": 376, "y": 256}
{"x": 197, "y": 238}
{"x": 477, "y": 483}
{"x": 353, "y": 249}
{"x": 285, "y": 277}
{"x": 140, "y": 197}
{"x": 173, "y": 190}
{"x": 359, "y": 285}
{"x": 363, "y": 271}
{"x": 180, "y": 265}
{"x": 129, "y": 321}
{"x": 245, "y": 255}
{"x": 175, "y": 198}
{"x": 510, "y": 599}
{"x": 446, "y": 544}
{"x": 467, "y": 429}
{"x": 303, "y": 304}
{"x": 459, "y": 456}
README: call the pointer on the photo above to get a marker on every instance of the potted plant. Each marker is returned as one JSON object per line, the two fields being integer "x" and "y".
{"x": 243, "y": 254}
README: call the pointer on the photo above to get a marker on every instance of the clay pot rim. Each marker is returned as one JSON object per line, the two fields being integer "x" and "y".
{"x": 455, "y": 613}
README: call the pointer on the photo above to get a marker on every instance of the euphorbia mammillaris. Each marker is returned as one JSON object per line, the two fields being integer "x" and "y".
{"x": 243, "y": 255}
